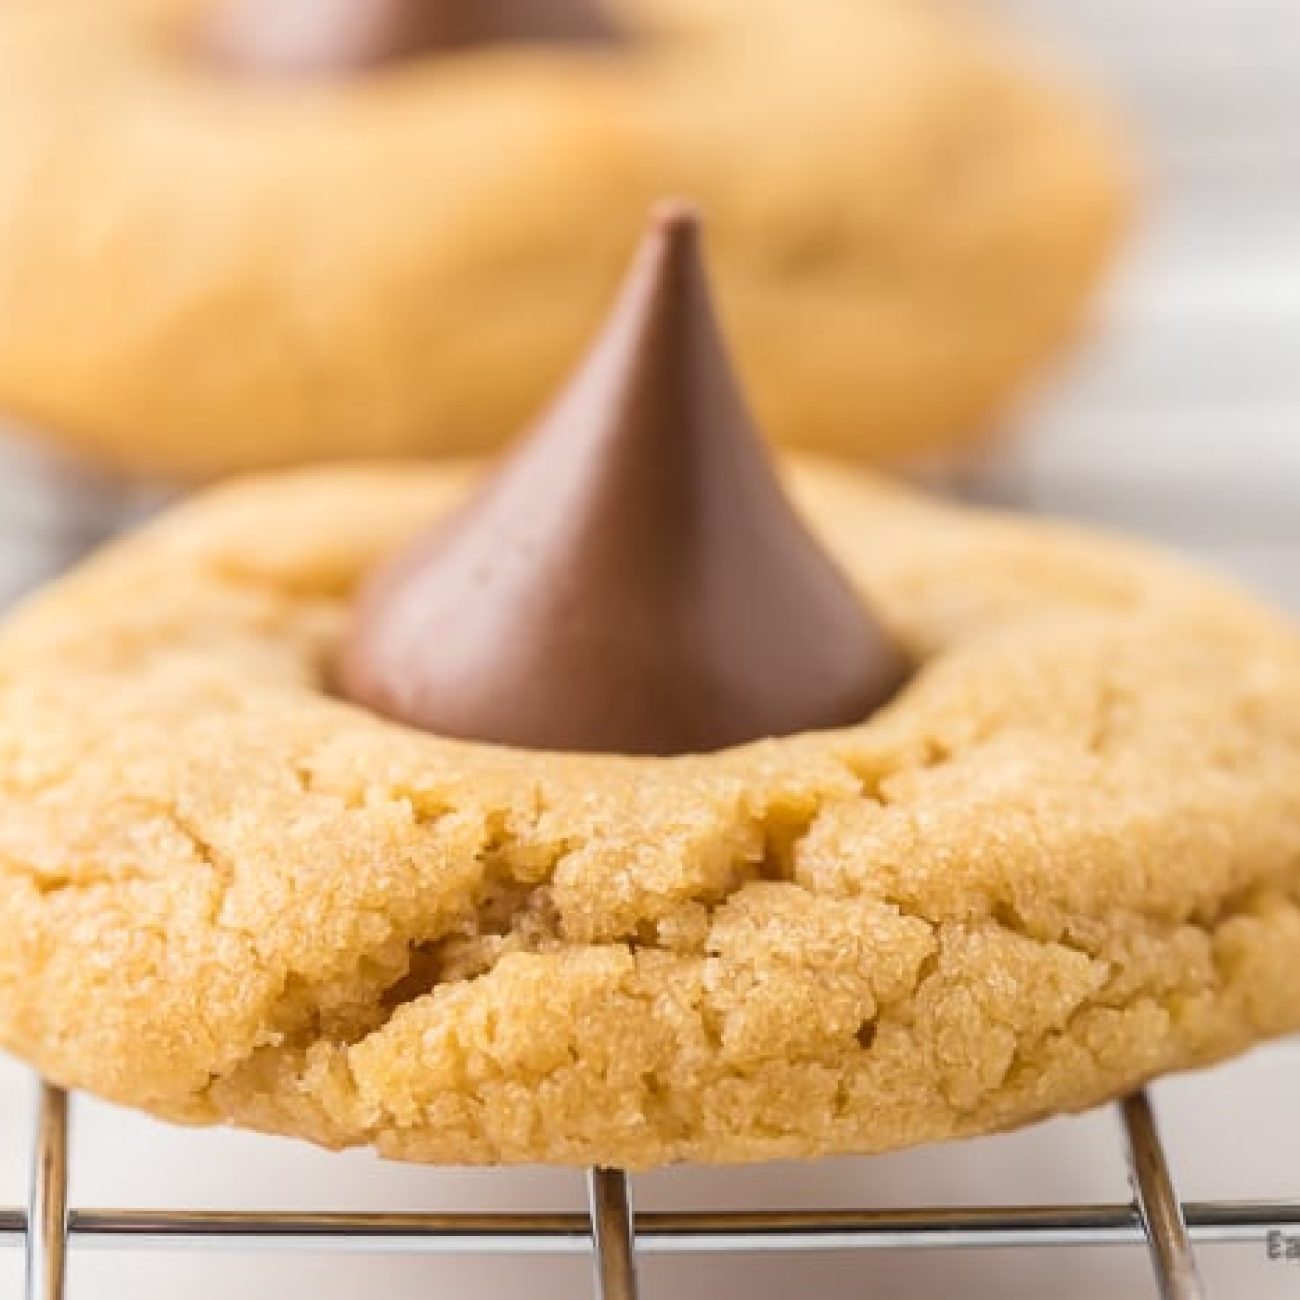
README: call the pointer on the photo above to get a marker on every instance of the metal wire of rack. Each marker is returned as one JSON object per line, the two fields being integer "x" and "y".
{"x": 614, "y": 1235}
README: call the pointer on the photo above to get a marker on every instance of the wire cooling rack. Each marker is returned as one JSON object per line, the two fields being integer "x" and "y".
{"x": 614, "y": 1235}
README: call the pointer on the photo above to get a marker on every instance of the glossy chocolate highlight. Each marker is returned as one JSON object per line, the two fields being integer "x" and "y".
{"x": 631, "y": 578}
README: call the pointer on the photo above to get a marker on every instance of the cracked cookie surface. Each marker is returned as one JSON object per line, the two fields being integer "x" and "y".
{"x": 1064, "y": 859}
{"x": 200, "y": 275}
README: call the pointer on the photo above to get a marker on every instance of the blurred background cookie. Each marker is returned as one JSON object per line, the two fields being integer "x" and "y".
{"x": 223, "y": 247}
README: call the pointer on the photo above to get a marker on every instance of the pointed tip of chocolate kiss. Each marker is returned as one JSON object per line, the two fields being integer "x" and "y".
{"x": 632, "y": 578}
{"x": 675, "y": 222}
{"x": 293, "y": 39}
{"x": 673, "y": 241}
{"x": 658, "y": 371}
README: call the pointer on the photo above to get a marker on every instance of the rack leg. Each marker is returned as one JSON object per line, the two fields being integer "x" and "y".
{"x": 1158, "y": 1204}
{"x": 47, "y": 1206}
{"x": 613, "y": 1233}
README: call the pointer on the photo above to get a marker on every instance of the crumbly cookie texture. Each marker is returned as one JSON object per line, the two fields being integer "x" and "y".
{"x": 199, "y": 274}
{"x": 1064, "y": 859}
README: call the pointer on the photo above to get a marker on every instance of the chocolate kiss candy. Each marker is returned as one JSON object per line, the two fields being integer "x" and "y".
{"x": 309, "y": 38}
{"x": 631, "y": 578}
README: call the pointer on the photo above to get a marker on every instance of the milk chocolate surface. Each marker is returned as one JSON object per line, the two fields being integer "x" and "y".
{"x": 631, "y": 578}
{"x": 325, "y": 38}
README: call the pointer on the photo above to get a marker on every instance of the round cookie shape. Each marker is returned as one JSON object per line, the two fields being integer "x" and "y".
{"x": 202, "y": 271}
{"x": 1065, "y": 858}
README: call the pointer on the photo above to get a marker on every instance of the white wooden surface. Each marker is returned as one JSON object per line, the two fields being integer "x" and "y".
{"x": 1180, "y": 419}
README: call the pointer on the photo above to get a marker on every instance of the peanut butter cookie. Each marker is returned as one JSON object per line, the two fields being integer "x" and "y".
{"x": 208, "y": 266}
{"x": 1063, "y": 858}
